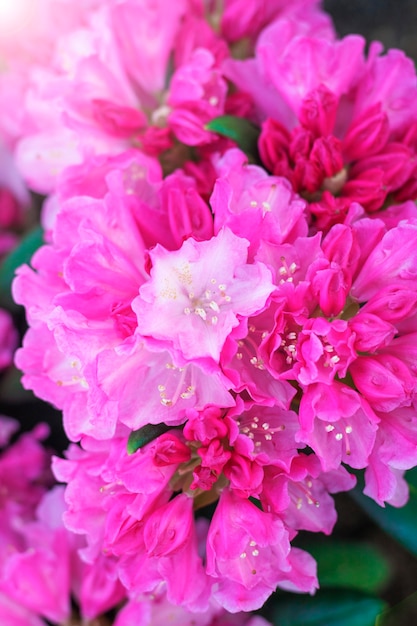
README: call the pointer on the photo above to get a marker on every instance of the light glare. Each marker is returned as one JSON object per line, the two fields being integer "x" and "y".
{"x": 15, "y": 15}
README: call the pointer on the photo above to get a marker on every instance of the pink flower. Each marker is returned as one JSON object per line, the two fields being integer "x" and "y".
{"x": 332, "y": 129}
{"x": 196, "y": 294}
{"x": 249, "y": 552}
{"x": 254, "y": 205}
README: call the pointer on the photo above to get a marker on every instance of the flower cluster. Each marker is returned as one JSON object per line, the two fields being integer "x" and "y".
{"x": 227, "y": 331}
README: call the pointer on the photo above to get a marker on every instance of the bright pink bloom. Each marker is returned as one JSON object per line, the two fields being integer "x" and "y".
{"x": 196, "y": 294}
{"x": 254, "y": 205}
{"x": 333, "y": 129}
{"x": 249, "y": 553}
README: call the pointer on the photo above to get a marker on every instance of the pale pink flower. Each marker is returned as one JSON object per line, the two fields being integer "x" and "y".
{"x": 196, "y": 294}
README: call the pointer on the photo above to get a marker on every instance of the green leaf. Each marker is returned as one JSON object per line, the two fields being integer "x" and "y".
{"x": 327, "y": 608}
{"x": 399, "y": 523}
{"x": 243, "y": 132}
{"x": 349, "y": 565}
{"x": 146, "y": 434}
{"x": 17, "y": 257}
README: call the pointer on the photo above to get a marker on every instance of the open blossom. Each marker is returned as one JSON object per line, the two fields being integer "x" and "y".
{"x": 195, "y": 295}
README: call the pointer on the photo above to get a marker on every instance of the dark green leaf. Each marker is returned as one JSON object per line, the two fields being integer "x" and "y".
{"x": 146, "y": 434}
{"x": 399, "y": 523}
{"x": 327, "y": 608}
{"x": 17, "y": 257}
{"x": 349, "y": 565}
{"x": 243, "y": 132}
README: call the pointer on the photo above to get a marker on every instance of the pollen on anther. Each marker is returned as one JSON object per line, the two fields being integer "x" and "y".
{"x": 243, "y": 555}
{"x": 201, "y": 313}
{"x": 255, "y": 552}
{"x": 338, "y": 436}
{"x": 348, "y": 430}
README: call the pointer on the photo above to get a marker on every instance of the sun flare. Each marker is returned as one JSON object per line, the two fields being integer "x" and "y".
{"x": 15, "y": 15}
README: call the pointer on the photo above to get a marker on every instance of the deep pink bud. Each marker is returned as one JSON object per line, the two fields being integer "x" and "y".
{"x": 273, "y": 145}
{"x": 318, "y": 111}
{"x": 384, "y": 380}
{"x": 368, "y": 188}
{"x": 168, "y": 528}
{"x": 341, "y": 246}
{"x": 307, "y": 176}
{"x": 409, "y": 190}
{"x": 392, "y": 304}
{"x": 214, "y": 456}
{"x": 245, "y": 475}
{"x": 117, "y": 120}
{"x": 367, "y": 134}
{"x": 169, "y": 450}
{"x": 396, "y": 162}
{"x": 188, "y": 214}
{"x": 327, "y": 155}
{"x": 371, "y": 332}
{"x": 301, "y": 143}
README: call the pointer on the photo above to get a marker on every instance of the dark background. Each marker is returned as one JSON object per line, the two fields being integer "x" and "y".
{"x": 393, "y": 22}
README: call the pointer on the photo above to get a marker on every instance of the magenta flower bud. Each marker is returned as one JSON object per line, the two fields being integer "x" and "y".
{"x": 168, "y": 528}
{"x": 327, "y": 154}
{"x": 396, "y": 162}
{"x": 368, "y": 189}
{"x": 273, "y": 145}
{"x": 318, "y": 111}
{"x": 367, "y": 134}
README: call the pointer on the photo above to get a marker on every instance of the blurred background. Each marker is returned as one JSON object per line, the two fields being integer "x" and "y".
{"x": 393, "y": 22}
